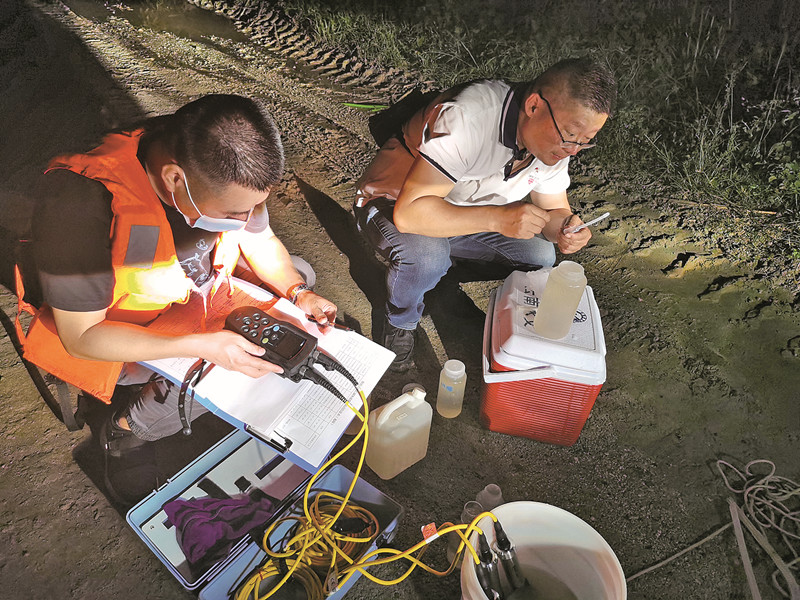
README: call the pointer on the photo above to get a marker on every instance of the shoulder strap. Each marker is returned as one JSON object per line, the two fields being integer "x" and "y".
{"x": 389, "y": 122}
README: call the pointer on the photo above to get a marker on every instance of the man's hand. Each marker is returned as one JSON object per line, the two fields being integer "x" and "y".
{"x": 572, "y": 242}
{"x": 520, "y": 220}
{"x": 235, "y": 353}
{"x": 323, "y": 311}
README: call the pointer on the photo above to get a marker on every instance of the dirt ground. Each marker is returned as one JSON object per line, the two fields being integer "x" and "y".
{"x": 703, "y": 354}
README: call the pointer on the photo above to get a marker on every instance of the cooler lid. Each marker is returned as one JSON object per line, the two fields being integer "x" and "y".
{"x": 515, "y": 344}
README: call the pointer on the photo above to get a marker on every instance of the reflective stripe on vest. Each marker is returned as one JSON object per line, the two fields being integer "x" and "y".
{"x": 147, "y": 273}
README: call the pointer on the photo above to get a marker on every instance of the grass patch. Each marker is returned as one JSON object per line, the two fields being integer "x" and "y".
{"x": 709, "y": 99}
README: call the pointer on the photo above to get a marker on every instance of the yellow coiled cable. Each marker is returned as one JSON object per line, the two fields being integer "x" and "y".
{"x": 313, "y": 544}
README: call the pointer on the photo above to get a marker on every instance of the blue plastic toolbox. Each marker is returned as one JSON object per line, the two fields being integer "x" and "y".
{"x": 237, "y": 464}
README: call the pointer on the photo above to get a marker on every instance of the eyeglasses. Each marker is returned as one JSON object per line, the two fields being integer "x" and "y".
{"x": 566, "y": 145}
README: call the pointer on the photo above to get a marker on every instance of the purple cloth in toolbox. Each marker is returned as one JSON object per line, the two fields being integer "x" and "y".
{"x": 209, "y": 527}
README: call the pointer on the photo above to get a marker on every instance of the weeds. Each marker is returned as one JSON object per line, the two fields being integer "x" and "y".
{"x": 709, "y": 98}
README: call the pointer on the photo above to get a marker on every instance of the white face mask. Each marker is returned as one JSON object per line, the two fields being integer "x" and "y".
{"x": 212, "y": 224}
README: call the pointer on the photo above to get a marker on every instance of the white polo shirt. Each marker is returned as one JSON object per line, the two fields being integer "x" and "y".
{"x": 470, "y": 137}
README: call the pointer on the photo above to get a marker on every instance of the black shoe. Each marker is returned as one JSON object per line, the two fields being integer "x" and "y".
{"x": 401, "y": 342}
{"x": 130, "y": 463}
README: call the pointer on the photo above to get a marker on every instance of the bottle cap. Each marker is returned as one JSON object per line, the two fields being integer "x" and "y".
{"x": 410, "y": 386}
{"x": 490, "y": 497}
{"x": 454, "y": 368}
{"x": 571, "y": 271}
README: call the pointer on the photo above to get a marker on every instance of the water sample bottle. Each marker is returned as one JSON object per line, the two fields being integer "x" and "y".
{"x": 490, "y": 497}
{"x": 471, "y": 510}
{"x": 452, "y": 380}
{"x": 563, "y": 291}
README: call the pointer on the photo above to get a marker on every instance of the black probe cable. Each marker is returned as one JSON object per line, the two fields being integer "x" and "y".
{"x": 312, "y": 375}
{"x": 197, "y": 371}
{"x": 331, "y": 364}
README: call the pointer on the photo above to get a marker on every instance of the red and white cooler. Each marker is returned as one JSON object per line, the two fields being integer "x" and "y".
{"x": 534, "y": 386}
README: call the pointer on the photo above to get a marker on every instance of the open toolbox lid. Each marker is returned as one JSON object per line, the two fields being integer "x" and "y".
{"x": 580, "y": 356}
{"x": 215, "y": 473}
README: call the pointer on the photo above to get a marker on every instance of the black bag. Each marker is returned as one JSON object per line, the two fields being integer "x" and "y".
{"x": 389, "y": 122}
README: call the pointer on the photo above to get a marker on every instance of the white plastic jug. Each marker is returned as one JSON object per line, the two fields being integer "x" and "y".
{"x": 398, "y": 434}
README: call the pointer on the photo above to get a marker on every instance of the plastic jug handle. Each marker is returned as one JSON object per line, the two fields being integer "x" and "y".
{"x": 395, "y": 404}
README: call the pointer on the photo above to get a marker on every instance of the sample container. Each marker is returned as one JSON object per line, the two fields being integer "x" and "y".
{"x": 450, "y": 397}
{"x": 398, "y": 434}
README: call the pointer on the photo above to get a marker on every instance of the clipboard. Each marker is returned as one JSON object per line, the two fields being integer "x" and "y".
{"x": 302, "y": 421}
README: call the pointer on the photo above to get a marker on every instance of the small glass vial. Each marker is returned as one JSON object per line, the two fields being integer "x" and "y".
{"x": 562, "y": 293}
{"x": 471, "y": 510}
{"x": 452, "y": 380}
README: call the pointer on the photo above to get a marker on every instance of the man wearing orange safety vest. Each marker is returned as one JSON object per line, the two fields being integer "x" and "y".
{"x": 149, "y": 218}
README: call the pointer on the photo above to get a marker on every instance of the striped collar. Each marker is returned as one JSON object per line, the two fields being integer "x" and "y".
{"x": 509, "y": 119}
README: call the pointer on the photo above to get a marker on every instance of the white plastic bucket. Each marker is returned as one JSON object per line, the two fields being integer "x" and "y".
{"x": 561, "y": 556}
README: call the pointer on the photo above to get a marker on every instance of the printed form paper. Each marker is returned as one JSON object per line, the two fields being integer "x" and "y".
{"x": 272, "y": 407}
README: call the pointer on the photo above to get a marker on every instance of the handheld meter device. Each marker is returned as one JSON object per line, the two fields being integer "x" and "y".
{"x": 285, "y": 345}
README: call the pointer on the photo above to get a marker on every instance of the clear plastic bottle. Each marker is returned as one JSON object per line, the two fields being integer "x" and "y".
{"x": 562, "y": 293}
{"x": 452, "y": 380}
{"x": 490, "y": 497}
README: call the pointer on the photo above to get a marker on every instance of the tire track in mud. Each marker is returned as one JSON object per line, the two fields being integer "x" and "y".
{"x": 162, "y": 70}
{"x": 645, "y": 319}
{"x": 653, "y": 321}
{"x": 272, "y": 28}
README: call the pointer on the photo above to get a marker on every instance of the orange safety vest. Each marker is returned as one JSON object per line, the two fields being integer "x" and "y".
{"x": 148, "y": 276}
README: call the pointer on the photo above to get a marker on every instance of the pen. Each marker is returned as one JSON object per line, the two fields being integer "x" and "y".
{"x": 333, "y": 324}
{"x": 582, "y": 225}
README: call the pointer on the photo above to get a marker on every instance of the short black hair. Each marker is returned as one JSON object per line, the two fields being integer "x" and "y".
{"x": 227, "y": 139}
{"x": 584, "y": 80}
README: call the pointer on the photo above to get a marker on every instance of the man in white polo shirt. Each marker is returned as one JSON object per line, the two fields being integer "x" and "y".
{"x": 480, "y": 174}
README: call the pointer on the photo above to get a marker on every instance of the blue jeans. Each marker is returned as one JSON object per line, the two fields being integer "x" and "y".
{"x": 418, "y": 262}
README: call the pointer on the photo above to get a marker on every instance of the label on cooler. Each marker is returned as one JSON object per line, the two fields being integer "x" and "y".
{"x": 515, "y": 344}
{"x": 581, "y": 334}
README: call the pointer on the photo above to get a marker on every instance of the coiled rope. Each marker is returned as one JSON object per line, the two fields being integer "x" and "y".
{"x": 770, "y": 507}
